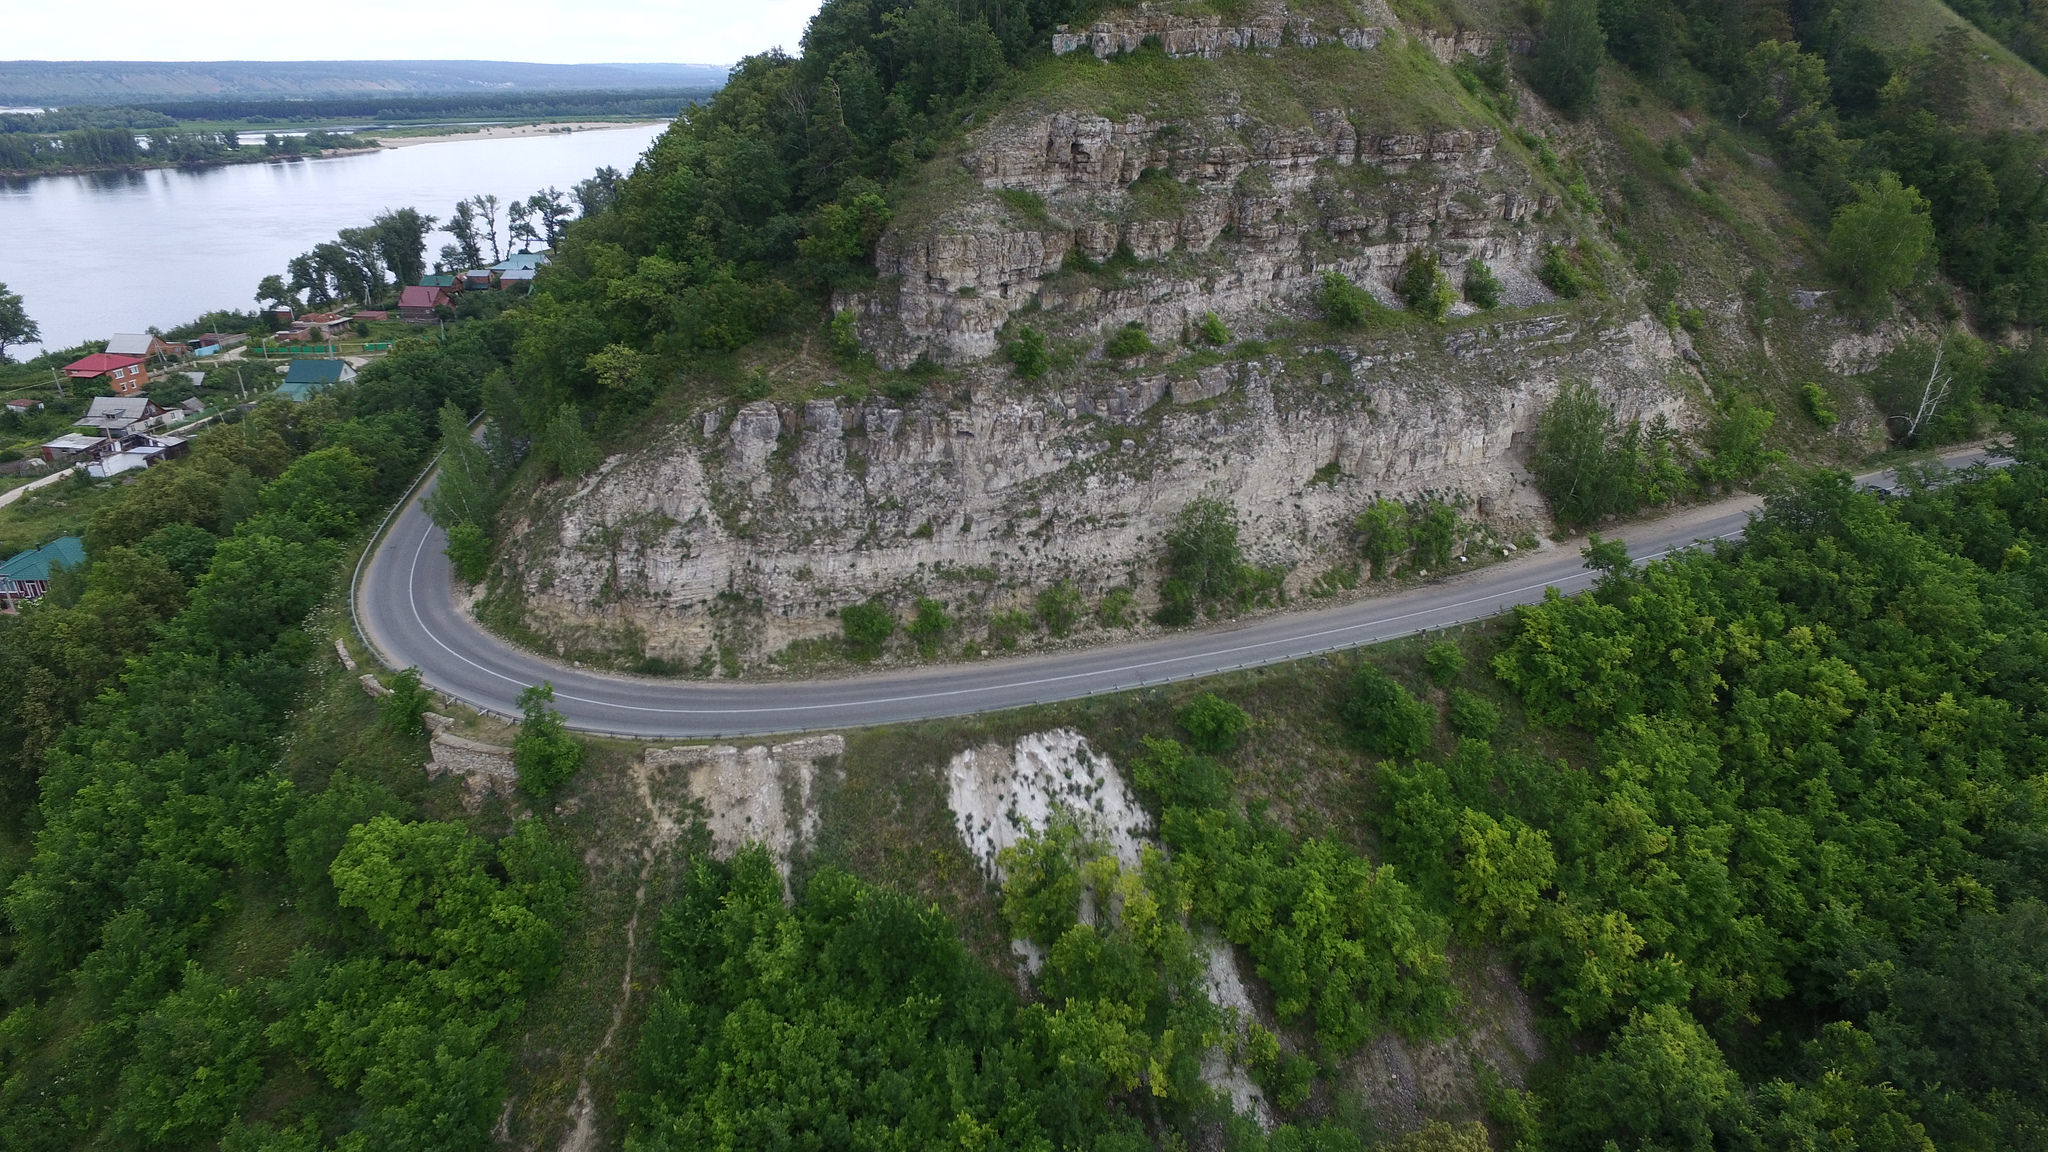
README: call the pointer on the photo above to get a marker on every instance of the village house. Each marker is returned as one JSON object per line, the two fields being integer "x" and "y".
{"x": 125, "y": 375}
{"x": 142, "y": 452}
{"x": 23, "y": 405}
{"x": 120, "y": 416}
{"x": 418, "y": 304}
{"x": 306, "y": 377}
{"x": 449, "y": 281}
{"x": 520, "y": 261}
{"x": 142, "y": 344}
{"x": 26, "y": 576}
{"x": 517, "y": 279}
{"x": 477, "y": 278}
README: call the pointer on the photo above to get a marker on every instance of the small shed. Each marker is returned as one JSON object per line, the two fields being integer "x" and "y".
{"x": 26, "y": 575}
{"x": 73, "y": 445}
{"x": 21, "y": 405}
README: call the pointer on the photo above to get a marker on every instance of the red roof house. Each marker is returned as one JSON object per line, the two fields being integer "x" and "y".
{"x": 418, "y": 302}
{"x": 126, "y": 375}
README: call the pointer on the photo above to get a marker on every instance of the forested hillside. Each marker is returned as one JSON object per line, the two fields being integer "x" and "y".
{"x": 1755, "y": 838}
{"x": 229, "y": 922}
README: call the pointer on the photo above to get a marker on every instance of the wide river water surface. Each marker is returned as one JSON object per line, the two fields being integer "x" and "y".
{"x": 119, "y": 252}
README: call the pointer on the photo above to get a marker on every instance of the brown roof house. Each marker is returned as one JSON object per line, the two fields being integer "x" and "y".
{"x": 419, "y": 302}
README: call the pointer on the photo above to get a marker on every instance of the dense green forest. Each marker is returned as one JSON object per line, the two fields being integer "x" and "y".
{"x": 214, "y": 938}
{"x": 1787, "y": 892}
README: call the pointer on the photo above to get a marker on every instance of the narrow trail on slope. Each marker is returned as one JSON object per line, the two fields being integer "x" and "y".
{"x": 663, "y": 832}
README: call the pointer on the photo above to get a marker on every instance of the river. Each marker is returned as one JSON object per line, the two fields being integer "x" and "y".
{"x": 119, "y": 252}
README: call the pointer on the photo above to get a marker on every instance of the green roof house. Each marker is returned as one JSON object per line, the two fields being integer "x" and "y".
{"x": 306, "y": 377}
{"x": 27, "y": 576}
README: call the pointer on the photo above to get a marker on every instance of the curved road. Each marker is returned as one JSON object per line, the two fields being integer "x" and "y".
{"x": 406, "y": 608}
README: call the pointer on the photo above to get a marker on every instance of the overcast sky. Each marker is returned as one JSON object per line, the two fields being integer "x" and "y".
{"x": 543, "y": 31}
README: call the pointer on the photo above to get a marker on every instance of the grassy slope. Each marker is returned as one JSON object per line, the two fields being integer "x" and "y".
{"x": 2010, "y": 92}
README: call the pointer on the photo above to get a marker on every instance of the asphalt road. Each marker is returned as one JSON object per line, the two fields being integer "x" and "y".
{"x": 407, "y": 610}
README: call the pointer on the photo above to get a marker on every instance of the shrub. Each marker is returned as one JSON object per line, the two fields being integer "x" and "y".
{"x": 1212, "y": 330}
{"x": 929, "y": 626}
{"x": 1345, "y": 304}
{"x": 1383, "y": 534}
{"x": 1059, "y": 607}
{"x": 1735, "y": 443}
{"x": 1004, "y": 628}
{"x": 1562, "y": 273}
{"x": 1676, "y": 154}
{"x": 1818, "y": 405}
{"x": 1385, "y": 717}
{"x": 846, "y": 337}
{"x": 1444, "y": 661}
{"x": 1424, "y": 287}
{"x": 1129, "y": 341}
{"x": 544, "y": 754}
{"x": 402, "y": 709}
{"x": 866, "y": 627}
{"x": 1115, "y": 609}
{"x": 469, "y": 550}
{"x": 1482, "y": 287}
{"x": 1213, "y": 724}
{"x": 1028, "y": 353}
{"x": 1473, "y": 715}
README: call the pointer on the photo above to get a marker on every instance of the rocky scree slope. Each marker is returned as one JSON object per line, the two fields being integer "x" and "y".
{"x": 1161, "y": 167}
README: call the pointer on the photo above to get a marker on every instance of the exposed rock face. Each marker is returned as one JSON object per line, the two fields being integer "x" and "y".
{"x": 1227, "y": 216}
{"x": 795, "y": 512}
{"x": 761, "y": 794}
{"x": 1208, "y": 36}
{"x": 744, "y": 531}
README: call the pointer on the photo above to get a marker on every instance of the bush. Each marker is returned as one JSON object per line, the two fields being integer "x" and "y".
{"x": 1059, "y": 607}
{"x": 866, "y": 627}
{"x": 1444, "y": 661}
{"x": 1213, "y": 724}
{"x": 1129, "y": 341}
{"x": 1818, "y": 406}
{"x": 544, "y": 754}
{"x": 846, "y": 337}
{"x": 401, "y": 710}
{"x": 1005, "y": 628}
{"x": 1028, "y": 353}
{"x": 1212, "y": 330}
{"x": 1115, "y": 609}
{"x": 1345, "y": 304}
{"x": 1385, "y": 717}
{"x": 469, "y": 550}
{"x": 1424, "y": 287}
{"x": 1563, "y": 273}
{"x": 929, "y": 626}
{"x": 1482, "y": 287}
{"x": 1473, "y": 715}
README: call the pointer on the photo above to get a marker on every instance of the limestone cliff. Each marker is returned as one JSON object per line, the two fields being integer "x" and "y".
{"x": 1171, "y": 166}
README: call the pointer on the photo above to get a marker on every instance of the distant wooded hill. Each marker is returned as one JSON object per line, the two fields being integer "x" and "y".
{"x": 52, "y": 82}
